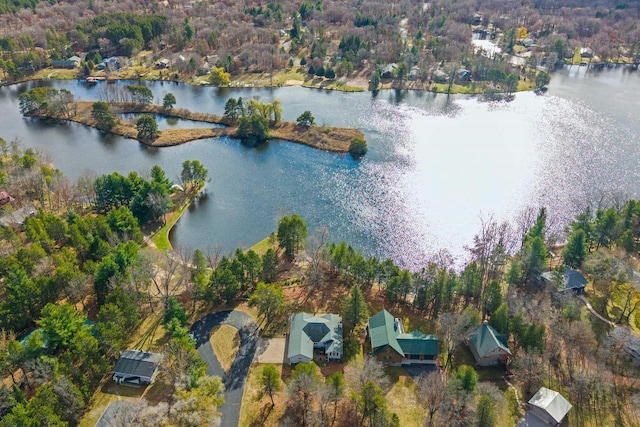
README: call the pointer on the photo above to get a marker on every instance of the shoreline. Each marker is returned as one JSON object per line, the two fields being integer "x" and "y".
{"x": 353, "y": 85}
{"x": 160, "y": 238}
{"x": 322, "y": 137}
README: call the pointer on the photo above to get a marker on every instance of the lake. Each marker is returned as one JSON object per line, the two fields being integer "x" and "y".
{"x": 436, "y": 164}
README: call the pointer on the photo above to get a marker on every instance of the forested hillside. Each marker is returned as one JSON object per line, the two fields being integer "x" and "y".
{"x": 350, "y": 39}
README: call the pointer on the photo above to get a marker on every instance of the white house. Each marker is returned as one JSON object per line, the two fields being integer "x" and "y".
{"x": 546, "y": 408}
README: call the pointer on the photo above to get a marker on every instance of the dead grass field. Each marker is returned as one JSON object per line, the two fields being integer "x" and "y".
{"x": 257, "y": 410}
{"x": 225, "y": 342}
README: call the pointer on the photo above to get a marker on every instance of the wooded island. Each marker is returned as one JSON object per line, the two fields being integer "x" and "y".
{"x": 251, "y": 121}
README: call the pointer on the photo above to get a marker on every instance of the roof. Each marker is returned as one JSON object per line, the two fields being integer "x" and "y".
{"x": 138, "y": 363}
{"x": 440, "y": 74}
{"x": 418, "y": 343}
{"x": 390, "y": 68}
{"x": 551, "y": 402}
{"x": 486, "y": 339}
{"x": 572, "y": 279}
{"x": 307, "y": 330}
{"x": 17, "y": 217}
{"x": 383, "y": 331}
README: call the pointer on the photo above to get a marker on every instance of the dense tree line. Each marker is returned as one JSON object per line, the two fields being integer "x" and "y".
{"x": 253, "y": 118}
{"x": 147, "y": 199}
{"x": 65, "y": 260}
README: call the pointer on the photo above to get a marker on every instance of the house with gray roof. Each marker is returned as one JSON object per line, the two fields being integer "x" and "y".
{"x": 488, "y": 347}
{"x": 546, "y": 408}
{"x": 572, "y": 280}
{"x": 392, "y": 346}
{"x": 18, "y": 217}
{"x": 136, "y": 367}
{"x": 311, "y": 335}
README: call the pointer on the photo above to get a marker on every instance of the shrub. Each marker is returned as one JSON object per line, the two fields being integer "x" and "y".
{"x": 358, "y": 147}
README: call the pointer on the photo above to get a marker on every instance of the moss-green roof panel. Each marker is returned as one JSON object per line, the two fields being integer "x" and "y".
{"x": 418, "y": 343}
{"x": 382, "y": 331}
{"x": 486, "y": 339}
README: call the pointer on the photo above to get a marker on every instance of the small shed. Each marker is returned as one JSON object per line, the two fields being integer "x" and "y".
{"x": 549, "y": 406}
{"x": 136, "y": 367}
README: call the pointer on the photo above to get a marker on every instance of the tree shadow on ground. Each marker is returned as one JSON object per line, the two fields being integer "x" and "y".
{"x": 263, "y": 415}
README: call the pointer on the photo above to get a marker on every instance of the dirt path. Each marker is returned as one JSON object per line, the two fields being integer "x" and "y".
{"x": 595, "y": 313}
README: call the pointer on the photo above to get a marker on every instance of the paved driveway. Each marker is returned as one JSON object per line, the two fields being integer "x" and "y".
{"x": 234, "y": 380}
{"x": 417, "y": 369}
{"x": 270, "y": 350}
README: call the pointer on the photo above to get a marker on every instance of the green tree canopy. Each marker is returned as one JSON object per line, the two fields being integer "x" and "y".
{"x": 292, "y": 232}
{"x": 169, "y": 100}
{"x": 102, "y": 114}
{"x": 147, "y": 128}
{"x": 269, "y": 299}
{"x": 306, "y": 119}
{"x": 270, "y": 382}
{"x": 140, "y": 94}
{"x": 60, "y": 324}
{"x": 219, "y": 77}
{"x": 354, "y": 310}
{"x": 193, "y": 171}
{"x": 575, "y": 250}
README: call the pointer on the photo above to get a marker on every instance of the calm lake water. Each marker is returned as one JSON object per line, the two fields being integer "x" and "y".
{"x": 435, "y": 165}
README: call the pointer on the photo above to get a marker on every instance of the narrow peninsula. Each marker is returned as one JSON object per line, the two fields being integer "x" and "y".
{"x": 251, "y": 121}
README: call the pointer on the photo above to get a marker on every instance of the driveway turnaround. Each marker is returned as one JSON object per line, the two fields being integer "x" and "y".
{"x": 235, "y": 379}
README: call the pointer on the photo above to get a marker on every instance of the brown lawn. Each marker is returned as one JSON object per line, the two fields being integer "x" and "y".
{"x": 225, "y": 342}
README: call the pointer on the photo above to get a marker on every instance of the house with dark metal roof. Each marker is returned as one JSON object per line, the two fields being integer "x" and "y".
{"x": 136, "y": 367}
{"x": 311, "y": 335}
{"x": 488, "y": 347}
{"x": 392, "y": 346}
{"x": 572, "y": 280}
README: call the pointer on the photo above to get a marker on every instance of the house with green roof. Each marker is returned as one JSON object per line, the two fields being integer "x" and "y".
{"x": 392, "y": 346}
{"x": 310, "y": 336}
{"x": 488, "y": 347}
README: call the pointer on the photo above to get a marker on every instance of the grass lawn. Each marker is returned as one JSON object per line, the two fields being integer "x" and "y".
{"x": 225, "y": 342}
{"x": 256, "y": 411}
{"x": 150, "y": 335}
{"x": 262, "y": 246}
{"x": 401, "y": 398}
{"x": 55, "y": 73}
{"x": 161, "y": 237}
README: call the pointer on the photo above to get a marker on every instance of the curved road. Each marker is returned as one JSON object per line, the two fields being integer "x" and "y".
{"x": 235, "y": 379}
